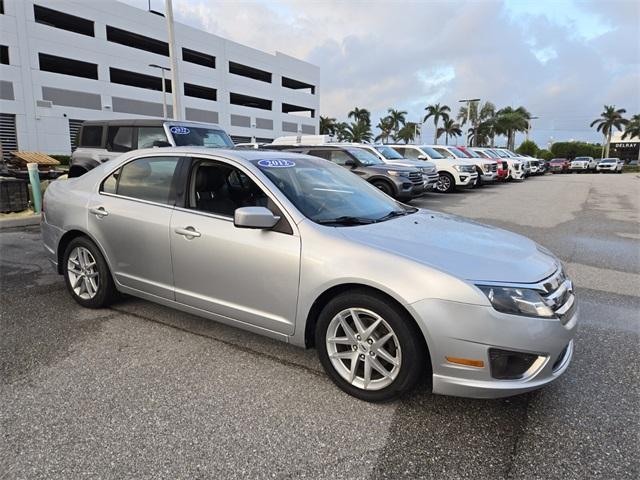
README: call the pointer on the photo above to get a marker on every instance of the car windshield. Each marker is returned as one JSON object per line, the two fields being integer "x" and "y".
{"x": 458, "y": 153}
{"x": 189, "y": 136}
{"x": 431, "y": 152}
{"x": 329, "y": 194}
{"x": 471, "y": 153}
{"x": 389, "y": 153}
{"x": 609, "y": 160}
{"x": 583, "y": 159}
{"x": 365, "y": 157}
{"x": 500, "y": 153}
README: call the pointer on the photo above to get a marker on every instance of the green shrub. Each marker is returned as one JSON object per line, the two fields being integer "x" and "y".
{"x": 571, "y": 150}
{"x": 631, "y": 168}
{"x": 545, "y": 154}
{"x": 528, "y": 147}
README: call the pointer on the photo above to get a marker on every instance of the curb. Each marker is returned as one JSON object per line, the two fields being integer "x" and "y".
{"x": 19, "y": 222}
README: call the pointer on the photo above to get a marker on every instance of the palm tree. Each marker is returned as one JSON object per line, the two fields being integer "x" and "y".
{"x": 385, "y": 125}
{"x": 360, "y": 114}
{"x": 437, "y": 112}
{"x": 398, "y": 118}
{"x": 476, "y": 117}
{"x": 327, "y": 125}
{"x": 358, "y": 132}
{"x": 632, "y": 129}
{"x": 342, "y": 131}
{"x": 508, "y": 121}
{"x": 449, "y": 128}
{"x": 609, "y": 119}
{"x": 408, "y": 132}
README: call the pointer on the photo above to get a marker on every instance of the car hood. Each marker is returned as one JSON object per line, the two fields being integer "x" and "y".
{"x": 460, "y": 247}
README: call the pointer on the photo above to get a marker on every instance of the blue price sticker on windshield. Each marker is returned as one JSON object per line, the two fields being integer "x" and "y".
{"x": 276, "y": 163}
{"x": 179, "y": 130}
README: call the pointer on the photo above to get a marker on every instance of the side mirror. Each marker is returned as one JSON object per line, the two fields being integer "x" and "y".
{"x": 254, "y": 217}
{"x": 160, "y": 143}
{"x": 422, "y": 157}
{"x": 350, "y": 163}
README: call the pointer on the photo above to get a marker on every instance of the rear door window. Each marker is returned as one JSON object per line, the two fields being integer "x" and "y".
{"x": 152, "y": 137}
{"x": 91, "y": 136}
{"x": 340, "y": 158}
{"x": 120, "y": 139}
{"x": 151, "y": 179}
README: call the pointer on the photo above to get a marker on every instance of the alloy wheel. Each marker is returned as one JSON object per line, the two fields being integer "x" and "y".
{"x": 363, "y": 349}
{"x": 444, "y": 183}
{"x": 83, "y": 274}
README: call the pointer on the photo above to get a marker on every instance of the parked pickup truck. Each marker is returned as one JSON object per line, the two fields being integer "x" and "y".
{"x": 583, "y": 164}
{"x": 100, "y": 141}
{"x": 503, "y": 165}
{"x": 453, "y": 172}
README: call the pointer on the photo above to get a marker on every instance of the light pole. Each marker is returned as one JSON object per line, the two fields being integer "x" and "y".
{"x": 175, "y": 82}
{"x": 469, "y": 101}
{"x": 529, "y": 126}
{"x": 164, "y": 88}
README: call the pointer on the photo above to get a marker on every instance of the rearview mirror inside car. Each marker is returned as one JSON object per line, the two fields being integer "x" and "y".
{"x": 254, "y": 217}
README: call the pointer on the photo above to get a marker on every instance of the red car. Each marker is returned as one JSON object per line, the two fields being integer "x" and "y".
{"x": 559, "y": 165}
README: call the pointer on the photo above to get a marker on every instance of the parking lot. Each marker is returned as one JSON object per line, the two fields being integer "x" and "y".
{"x": 142, "y": 391}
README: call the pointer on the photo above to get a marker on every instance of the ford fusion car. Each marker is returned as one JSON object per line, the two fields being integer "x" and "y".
{"x": 302, "y": 250}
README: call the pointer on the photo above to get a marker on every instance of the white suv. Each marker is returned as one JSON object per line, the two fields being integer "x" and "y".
{"x": 487, "y": 169}
{"x": 453, "y": 172}
{"x": 583, "y": 164}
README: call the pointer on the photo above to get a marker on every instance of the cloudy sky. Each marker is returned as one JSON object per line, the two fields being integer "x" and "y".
{"x": 562, "y": 60}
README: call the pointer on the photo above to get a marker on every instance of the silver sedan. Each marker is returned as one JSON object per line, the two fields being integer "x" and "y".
{"x": 304, "y": 251}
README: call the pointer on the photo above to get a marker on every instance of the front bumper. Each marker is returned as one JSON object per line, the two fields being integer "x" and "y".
{"x": 517, "y": 174}
{"x": 460, "y": 330}
{"x": 489, "y": 177}
{"x": 465, "y": 179}
{"x": 579, "y": 167}
{"x": 430, "y": 181}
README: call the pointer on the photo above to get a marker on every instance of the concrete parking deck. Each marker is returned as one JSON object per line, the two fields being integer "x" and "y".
{"x": 142, "y": 391}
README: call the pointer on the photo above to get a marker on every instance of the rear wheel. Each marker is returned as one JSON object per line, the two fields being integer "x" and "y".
{"x": 446, "y": 183}
{"x": 369, "y": 347}
{"x": 87, "y": 275}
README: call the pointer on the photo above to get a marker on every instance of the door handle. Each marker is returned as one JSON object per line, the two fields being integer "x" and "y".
{"x": 99, "y": 211}
{"x": 188, "y": 232}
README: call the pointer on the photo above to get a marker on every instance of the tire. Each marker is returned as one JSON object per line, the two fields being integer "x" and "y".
{"x": 89, "y": 282}
{"x": 479, "y": 182}
{"x": 404, "y": 346}
{"x": 384, "y": 187}
{"x": 446, "y": 183}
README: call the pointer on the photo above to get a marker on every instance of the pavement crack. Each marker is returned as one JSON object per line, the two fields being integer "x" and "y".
{"x": 227, "y": 343}
{"x": 519, "y": 431}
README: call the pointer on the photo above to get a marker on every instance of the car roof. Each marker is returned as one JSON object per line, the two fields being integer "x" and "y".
{"x": 146, "y": 122}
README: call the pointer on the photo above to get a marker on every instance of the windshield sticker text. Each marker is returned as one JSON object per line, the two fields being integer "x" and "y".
{"x": 180, "y": 130}
{"x": 276, "y": 163}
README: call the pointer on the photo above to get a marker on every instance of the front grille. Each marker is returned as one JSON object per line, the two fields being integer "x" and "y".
{"x": 558, "y": 295}
{"x": 516, "y": 166}
{"x": 505, "y": 166}
{"x": 416, "y": 178}
{"x": 494, "y": 167}
{"x": 434, "y": 177}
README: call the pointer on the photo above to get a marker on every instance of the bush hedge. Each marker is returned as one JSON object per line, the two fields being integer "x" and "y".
{"x": 571, "y": 150}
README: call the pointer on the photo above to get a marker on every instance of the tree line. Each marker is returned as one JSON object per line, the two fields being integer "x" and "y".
{"x": 483, "y": 124}
{"x": 483, "y": 121}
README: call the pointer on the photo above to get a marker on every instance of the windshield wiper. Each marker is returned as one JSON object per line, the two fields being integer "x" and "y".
{"x": 396, "y": 213}
{"x": 346, "y": 220}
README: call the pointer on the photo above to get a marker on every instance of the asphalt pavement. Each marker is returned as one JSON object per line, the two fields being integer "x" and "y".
{"x": 142, "y": 391}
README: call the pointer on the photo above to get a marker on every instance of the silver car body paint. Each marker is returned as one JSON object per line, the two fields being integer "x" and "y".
{"x": 267, "y": 282}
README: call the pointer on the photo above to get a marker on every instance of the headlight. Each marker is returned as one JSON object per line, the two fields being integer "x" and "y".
{"x": 517, "y": 301}
{"x": 459, "y": 168}
{"x": 487, "y": 167}
{"x": 395, "y": 173}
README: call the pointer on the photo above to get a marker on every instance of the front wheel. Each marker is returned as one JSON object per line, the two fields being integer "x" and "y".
{"x": 479, "y": 182}
{"x": 369, "y": 347}
{"x": 87, "y": 275}
{"x": 446, "y": 183}
{"x": 384, "y": 187}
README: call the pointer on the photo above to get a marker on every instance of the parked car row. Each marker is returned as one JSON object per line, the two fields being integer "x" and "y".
{"x": 444, "y": 168}
{"x": 293, "y": 245}
{"x": 586, "y": 164}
